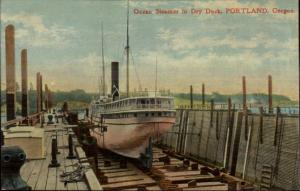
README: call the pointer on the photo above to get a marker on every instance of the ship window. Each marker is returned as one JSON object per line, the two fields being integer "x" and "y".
{"x": 135, "y": 114}
{"x": 152, "y": 101}
{"x": 146, "y": 114}
{"x": 159, "y": 113}
{"x": 152, "y": 114}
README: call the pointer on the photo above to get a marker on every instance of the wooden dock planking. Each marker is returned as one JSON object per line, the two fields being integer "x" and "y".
{"x": 34, "y": 177}
{"x": 37, "y": 174}
{"x": 68, "y": 164}
{"x": 60, "y": 157}
{"x": 80, "y": 185}
{"x": 25, "y": 172}
{"x": 42, "y": 180}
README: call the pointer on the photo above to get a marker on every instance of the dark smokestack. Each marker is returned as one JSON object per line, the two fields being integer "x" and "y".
{"x": 270, "y": 94}
{"x": 24, "y": 83}
{"x": 244, "y": 93}
{"x": 115, "y": 79}
{"x": 10, "y": 72}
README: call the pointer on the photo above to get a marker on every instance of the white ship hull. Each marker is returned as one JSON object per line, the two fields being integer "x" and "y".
{"x": 129, "y": 136}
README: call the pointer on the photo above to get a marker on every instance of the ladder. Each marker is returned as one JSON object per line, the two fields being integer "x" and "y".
{"x": 266, "y": 177}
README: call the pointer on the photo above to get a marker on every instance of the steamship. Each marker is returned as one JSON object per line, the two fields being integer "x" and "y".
{"x": 127, "y": 124}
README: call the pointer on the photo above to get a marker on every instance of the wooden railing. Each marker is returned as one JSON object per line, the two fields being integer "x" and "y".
{"x": 30, "y": 120}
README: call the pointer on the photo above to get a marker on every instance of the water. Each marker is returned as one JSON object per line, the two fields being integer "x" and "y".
{"x": 3, "y": 118}
{"x": 283, "y": 110}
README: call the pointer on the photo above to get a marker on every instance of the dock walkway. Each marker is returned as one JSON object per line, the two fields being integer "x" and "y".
{"x": 37, "y": 174}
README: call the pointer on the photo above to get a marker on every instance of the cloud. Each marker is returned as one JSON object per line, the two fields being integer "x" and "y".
{"x": 185, "y": 40}
{"x": 31, "y": 30}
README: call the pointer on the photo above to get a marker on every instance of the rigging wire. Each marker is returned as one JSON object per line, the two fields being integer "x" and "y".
{"x": 135, "y": 69}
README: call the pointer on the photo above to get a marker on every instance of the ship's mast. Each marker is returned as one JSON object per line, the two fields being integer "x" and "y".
{"x": 103, "y": 63}
{"x": 155, "y": 76}
{"x": 127, "y": 52}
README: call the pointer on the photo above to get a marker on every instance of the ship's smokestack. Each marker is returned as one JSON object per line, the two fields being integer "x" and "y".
{"x": 115, "y": 80}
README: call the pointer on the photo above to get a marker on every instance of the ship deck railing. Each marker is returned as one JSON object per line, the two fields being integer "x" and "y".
{"x": 141, "y": 107}
{"x": 147, "y": 94}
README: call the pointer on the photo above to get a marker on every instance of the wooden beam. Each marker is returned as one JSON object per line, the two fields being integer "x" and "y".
{"x": 10, "y": 72}
{"x": 24, "y": 74}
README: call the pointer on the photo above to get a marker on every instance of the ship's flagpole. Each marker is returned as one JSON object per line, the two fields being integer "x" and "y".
{"x": 127, "y": 52}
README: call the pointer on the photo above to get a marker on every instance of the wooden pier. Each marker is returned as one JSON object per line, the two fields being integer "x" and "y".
{"x": 37, "y": 174}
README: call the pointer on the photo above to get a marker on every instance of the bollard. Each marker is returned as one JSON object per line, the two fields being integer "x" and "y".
{"x": 12, "y": 158}
{"x": 71, "y": 153}
{"x": 50, "y": 117}
{"x": 57, "y": 151}
{"x": 54, "y": 162}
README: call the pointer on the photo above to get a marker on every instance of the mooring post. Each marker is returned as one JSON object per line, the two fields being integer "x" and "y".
{"x": 54, "y": 162}
{"x": 203, "y": 95}
{"x": 10, "y": 72}
{"x": 236, "y": 143}
{"x": 12, "y": 159}
{"x": 212, "y": 106}
{"x": 46, "y": 98}
{"x": 38, "y": 95}
{"x": 244, "y": 93}
{"x": 191, "y": 97}
{"x": 71, "y": 153}
{"x": 41, "y": 92}
{"x": 87, "y": 112}
{"x": 24, "y": 82}
{"x": 270, "y": 94}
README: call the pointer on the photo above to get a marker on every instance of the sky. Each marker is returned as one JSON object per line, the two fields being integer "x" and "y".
{"x": 63, "y": 39}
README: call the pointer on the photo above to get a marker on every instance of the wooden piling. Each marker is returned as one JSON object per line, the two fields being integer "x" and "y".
{"x": 41, "y": 92}
{"x": 38, "y": 95}
{"x": 191, "y": 97}
{"x": 244, "y": 93}
{"x": 270, "y": 94}
{"x": 46, "y": 98}
{"x": 10, "y": 72}
{"x": 236, "y": 143}
{"x": 203, "y": 95}
{"x": 24, "y": 75}
{"x": 50, "y": 101}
